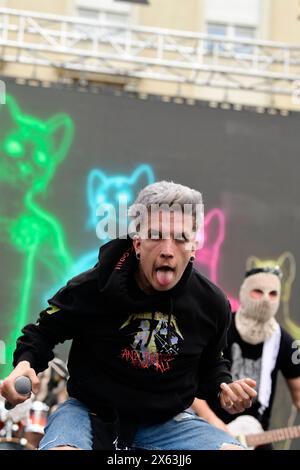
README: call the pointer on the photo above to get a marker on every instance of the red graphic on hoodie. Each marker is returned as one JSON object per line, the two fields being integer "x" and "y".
{"x": 160, "y": 361}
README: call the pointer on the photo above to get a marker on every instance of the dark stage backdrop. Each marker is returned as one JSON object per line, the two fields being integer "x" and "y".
{"x": 62, "y": 152}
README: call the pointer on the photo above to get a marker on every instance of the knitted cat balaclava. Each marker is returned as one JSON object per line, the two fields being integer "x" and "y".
{"x": 259, "y": 303}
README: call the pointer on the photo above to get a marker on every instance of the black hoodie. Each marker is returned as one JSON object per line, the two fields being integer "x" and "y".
{"x": 146, "y": 356}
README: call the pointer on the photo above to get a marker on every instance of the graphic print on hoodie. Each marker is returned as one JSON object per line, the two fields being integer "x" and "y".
{"x": 156, "y": 339}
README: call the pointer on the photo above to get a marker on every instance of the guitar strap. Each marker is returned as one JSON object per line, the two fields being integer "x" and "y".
{"x": 269, "y": 357}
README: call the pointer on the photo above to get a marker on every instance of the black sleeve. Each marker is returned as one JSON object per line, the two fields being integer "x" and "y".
{"x": 54, "y": 325}
{"x": 289, "y": 363}
{"x": 214, "y": 368}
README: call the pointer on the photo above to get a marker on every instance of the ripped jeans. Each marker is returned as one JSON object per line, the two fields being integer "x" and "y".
{"x": 70, "y": 425}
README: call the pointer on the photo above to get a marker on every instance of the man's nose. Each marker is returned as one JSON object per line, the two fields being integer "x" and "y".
{"x": 167, "y": 248}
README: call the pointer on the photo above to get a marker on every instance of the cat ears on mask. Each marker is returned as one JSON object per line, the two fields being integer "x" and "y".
{"x": 267, "y": 269}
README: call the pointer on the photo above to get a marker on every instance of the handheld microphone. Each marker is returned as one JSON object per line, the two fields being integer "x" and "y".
{"x": 23, "y": 387}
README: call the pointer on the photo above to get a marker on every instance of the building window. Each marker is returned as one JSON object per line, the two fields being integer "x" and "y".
{"x": 227, "y": 32}
{"x": 215, "y": 29}
{"x": 103, "y": 11}
{"x": 244, "y": 32}
{"x": 232, "y": 19}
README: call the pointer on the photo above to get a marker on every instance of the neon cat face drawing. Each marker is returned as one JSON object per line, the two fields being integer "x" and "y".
{"x": 32, "y": 148}
{"x": 115, "y": 189}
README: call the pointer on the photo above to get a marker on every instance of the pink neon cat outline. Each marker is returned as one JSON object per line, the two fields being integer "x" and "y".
{"x": 209, "y": 255}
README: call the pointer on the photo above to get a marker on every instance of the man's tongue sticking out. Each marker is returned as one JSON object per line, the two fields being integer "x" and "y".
{"x": 165, "y": 276}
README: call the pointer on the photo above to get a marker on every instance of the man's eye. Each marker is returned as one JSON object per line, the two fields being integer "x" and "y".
{"x": 154, "y": 235}
{"x": 181, "y": 237}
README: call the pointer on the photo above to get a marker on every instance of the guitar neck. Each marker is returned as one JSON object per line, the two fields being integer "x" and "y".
{"x": 276, "y": 435}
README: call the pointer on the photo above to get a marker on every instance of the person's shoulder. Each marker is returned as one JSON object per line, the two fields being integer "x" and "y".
{"x": 286, "y": 338}
{"x": 85, "y": 278}
{"x": 82, "y": 286}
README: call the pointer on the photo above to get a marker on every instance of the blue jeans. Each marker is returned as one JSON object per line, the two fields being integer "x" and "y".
{"x": 70, "y": 425}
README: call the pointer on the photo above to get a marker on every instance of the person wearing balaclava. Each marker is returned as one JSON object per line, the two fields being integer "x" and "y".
{"x": 258, "y": 347}
{"x": 259, "y": 302}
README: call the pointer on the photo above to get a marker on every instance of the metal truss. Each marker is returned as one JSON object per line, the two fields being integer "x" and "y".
{"x": 93, "y": 47}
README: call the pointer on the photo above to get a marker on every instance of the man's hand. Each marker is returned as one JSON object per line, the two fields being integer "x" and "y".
{"x": 7, "y": 388}
{"x": 237, "y": 396}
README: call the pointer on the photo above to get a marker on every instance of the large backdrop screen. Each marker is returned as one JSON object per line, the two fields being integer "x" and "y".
{"x": 64, "y": 152}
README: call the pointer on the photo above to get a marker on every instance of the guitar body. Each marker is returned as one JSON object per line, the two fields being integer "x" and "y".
{"x": 243, "y": 425}
{"x": 250, "y": 433}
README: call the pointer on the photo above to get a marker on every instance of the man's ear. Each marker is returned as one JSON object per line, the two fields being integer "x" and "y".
{"x": 197, "y": 244}
{"x": 192, "y": 246}
{"x": 136, "y": 243}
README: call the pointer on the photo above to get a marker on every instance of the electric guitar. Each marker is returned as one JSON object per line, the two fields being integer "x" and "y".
{"x": 250, "y": 433}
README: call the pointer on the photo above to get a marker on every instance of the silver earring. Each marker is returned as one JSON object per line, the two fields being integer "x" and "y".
{"x": 192, "y": 259}
{"x": 138, "y": 256}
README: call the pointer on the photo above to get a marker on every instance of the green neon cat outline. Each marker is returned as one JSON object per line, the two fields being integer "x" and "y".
{"x": 34, "y": 226}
